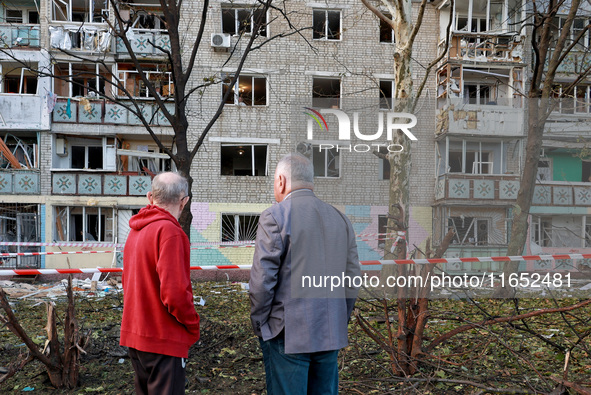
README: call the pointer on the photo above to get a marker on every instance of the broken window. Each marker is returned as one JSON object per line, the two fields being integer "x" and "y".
{"x": 326, "y": 24}
{"x": 14, "y": 16}
{"x": 157, "y": 74}
{"x": 21, "y": 16}
{"x": 586, "y": 174}
{"x": 386, "y": 94}
{"x": 243, "y": 160}
{"x": 541, "y": 231}
{"x": 544, "y": 169}
{"x": 84, "y": 153}
{"x": 476, "y": 162}
{"x": 79, "y": 10}
{"x": 77, "y": 79}
{"x": 326, "y": 92}
{"x": 236, "y": 21}
{"x": 143, "y": 158}
{"x": 148, "y": 20}
{"x": 239, "y": 227}
{"x": 478, "y": 16}
{"x": 19, "y": 152}
{"x": 81, "y": 223}
{"x": 479, "y": 94}
{"x": 87, "y": 157}
{"x": 386, "y": 31}
{"x": 248, "y": 91}
{"x": 326, "y": 162}
{"x": 587, "y": 232}
{"x": 20, "y": 223}
{"x": 469, "y": 230}
{"x": 17, "y": 79}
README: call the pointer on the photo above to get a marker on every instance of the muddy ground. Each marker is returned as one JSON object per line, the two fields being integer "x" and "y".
{"x": 227, "y": 359}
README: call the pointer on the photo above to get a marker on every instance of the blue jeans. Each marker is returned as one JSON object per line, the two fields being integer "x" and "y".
{"x": 299, "y": 374}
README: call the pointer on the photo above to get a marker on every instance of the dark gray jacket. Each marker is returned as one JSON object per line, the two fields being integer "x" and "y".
{"x": 303, "y": 236}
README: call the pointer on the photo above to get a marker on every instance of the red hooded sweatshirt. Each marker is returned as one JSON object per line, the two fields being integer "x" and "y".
{"x": 158, "y": 311}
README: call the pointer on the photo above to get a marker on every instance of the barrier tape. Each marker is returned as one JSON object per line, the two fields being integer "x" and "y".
{"x": 201, "y": 244}
{"x": 9, "y": 254}
{"x": 12, "y": 272}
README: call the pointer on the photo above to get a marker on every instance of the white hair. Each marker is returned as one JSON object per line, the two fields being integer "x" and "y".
{"x": 169, "y": 187}
{"x": 297, "y": 169}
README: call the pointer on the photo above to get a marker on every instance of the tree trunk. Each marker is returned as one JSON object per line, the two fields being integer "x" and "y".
{"x": 62, "y": 369}
{"x": 518, "y": 235}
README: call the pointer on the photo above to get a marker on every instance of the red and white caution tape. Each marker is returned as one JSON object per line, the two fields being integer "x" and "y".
{"x": 479, "y": 259}
{"x": 73, "y": 244}
{"x": 208, "y": 244}
{"x": 12, "y": 272}
{"x": 218, "y": 247}
{"x": 9, "y": 254}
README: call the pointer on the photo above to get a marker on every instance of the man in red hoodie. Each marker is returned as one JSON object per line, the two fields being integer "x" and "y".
{"x": 159, "y": 319}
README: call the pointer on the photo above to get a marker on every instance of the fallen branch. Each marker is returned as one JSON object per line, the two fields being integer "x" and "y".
{"x": 501, "y": 320}
{"x": 580, "y": 389}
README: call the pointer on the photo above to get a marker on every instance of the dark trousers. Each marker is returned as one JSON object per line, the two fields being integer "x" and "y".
{"x": 299, "y": 374}
{"x": 157, "y": 374}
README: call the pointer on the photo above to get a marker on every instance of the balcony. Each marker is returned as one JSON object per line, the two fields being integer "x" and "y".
{"x": 503, "y": 189}
{"x": 19, "y": 182}
{"x": 482, "y": 47}
{"x": 19, "y": 35}
{"x": 12, "y": 108}
{"x": 500, "y": 119}
{"x": 104, "y": 112}
{"x": 144, "y": 42}
{"x": 86, "y": 183}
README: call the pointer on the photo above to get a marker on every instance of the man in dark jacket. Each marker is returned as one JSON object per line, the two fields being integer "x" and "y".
{"x": 159, "y": 319}
{"x": 301, "y": 327}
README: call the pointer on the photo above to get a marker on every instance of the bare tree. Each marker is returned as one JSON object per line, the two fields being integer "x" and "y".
{"x": 412, "y": 313}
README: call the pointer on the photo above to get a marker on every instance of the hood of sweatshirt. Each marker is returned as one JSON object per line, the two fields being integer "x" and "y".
{"x": 150, "y": 214}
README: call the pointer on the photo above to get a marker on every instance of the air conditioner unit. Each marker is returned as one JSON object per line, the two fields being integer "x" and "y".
{"x": 220, "y": 40}
{"x": 61, "y": 147}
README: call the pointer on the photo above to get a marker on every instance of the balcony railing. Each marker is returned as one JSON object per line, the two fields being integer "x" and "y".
{"x": 505, "y": 47}
{"x": 19, "y": 35}
{"x": 503, "y": 189}
{"x": 19, "y": 182}
{"x": 85, "y": 183}
{"x": 12, "y": 108}
{"x": 494, "y": 119}
{"x": 145, "y": 42}
{"x": 104, "y": 112}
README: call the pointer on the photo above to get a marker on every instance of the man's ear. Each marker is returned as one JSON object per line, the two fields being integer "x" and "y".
{"x": 282, "y": 183}
{"x": 150, "y": 198}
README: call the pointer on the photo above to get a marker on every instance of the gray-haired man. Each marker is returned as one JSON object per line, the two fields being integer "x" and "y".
{"x": 301, "y": 328}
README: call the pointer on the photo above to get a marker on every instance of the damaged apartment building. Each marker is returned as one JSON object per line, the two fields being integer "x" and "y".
{"x": 75, "y": 166}
{"x": 481, "y": 135}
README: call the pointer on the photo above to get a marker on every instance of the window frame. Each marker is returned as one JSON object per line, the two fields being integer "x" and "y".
{"x": 237, "y": 227}
{"x": 325, "y": 35}
{"x": 315, "y": 148}
{"x": 339, "y": 97}
{"x": 471, "y": 232}
{"x": 383, "y": 27}
{"x": 85, "y": 223}
{"x": 237, "y": 22}
{"x": 383, "y": 97}
{"x": 253, "y": 159}
{"x": 236, "y": 95}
